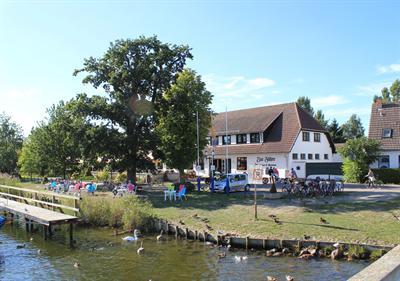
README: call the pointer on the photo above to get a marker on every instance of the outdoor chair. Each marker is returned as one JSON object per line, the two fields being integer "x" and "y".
{"x": 182, "y": 193}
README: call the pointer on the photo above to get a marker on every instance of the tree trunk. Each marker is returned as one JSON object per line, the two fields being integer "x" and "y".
{"x": 132, "y": 171}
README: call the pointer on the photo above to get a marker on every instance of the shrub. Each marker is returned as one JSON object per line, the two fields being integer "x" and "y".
{"x": 376, "y": 254}
{"x": 388, "y": 175}
{"x": 352, "y": 171}
{"x": 129, "y": 212}
{"x": 121, "y": 177}
{"x": 358, "y": 252}
{"x": 103, "y": 175}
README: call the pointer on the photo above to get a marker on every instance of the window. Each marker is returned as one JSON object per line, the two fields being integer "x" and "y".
{"x": 303, "y": 156}
{"x": 317, "y": 137}
{"x": 295, "y": 156}
{"x": 310, "y": 156}
{"x": 242, "y": 177}
{"x": 242, "y": 163}
{"x": 214, "y": 141}
{"x": 254, "y": 138}
{"x": 242, "y": 138}
{"x": 226, "y": 139}
{"x": 316, "y": 156}
{"x": 387, "y": 133}
{"x": 326, "y": 156}
{"x": 306, "y": 136}
{"x": 384, "y": 161}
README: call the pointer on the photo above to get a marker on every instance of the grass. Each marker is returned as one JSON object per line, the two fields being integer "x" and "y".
{"x": 366, "y": 222}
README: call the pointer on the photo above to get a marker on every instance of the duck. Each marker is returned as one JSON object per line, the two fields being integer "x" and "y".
{"x": 39, "y": 251}
{"x": 161, "y": 237}
{"x": 240, "y": 258}
{"x": 77, "y": 264}
{"x": 21, "y": 246}
{"x": 31, "y": 239}
{"x": 141, "y": 249}
{"x": 271, "y": 278}
{"x": 322, "y": 220}
{"x": 289, "y": 278}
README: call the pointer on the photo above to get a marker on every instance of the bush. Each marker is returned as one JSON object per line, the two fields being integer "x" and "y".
{"x": 128, "y": 212}
{"x": 376, "y": 254}
{"x": 358, "y": 252}
{"x": 103, "y": 175}
{"x": 352, "y": 171}
{"x": 388, "y": 175}
{"x": 121, "y": 177}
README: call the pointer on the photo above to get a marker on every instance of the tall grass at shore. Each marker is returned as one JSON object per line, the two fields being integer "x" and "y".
{"x": 128, "y": 212}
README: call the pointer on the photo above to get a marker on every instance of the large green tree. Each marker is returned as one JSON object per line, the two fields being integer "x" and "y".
{"x": 134, "y": 75}
{"x": 10, "y": 143}
{"x": 392, "y": 95}
{"x": 305, "y": 103}
{"x": 177, "y": 127}
{"x": 358, "y": 154}
{"x": 353, "y": 128}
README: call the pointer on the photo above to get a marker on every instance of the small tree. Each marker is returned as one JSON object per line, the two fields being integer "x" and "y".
{"x": 321, "y": 118}
{"x": 336, "y": 132}
{"x": 358, "y": 154}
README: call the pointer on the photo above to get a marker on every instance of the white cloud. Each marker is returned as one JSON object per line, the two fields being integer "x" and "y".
{"x": 391, "y": 68}
{"x": 331, "y": 100}
{"x": 236, "y": 86}
{"x": 372, "y": 89}
{"x": 259, "y": 83}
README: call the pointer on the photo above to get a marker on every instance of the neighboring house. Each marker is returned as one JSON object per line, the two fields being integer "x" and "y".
{"x": 385, "y": 127}
{"x": 284, "y": 136}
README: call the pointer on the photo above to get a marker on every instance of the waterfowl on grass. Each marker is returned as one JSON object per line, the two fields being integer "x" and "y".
{"x": 141, "y": 249}
{"x": 289, "y": 278}
{"x": 77, "y": 264}
{"x": 270, "y": 278}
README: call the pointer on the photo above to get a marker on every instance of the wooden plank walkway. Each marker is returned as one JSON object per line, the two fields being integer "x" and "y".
{"x": 36, "y": 214}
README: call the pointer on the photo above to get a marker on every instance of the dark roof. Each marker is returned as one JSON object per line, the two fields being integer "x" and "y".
{"x": 385, "y": 116}
{"x": 281, "y": 124}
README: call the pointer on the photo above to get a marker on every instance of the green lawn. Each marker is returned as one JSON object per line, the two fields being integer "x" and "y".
{"x": 365, "y": 222}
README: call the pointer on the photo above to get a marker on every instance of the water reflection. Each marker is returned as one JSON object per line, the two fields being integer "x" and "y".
{"x": 103, "y": 256}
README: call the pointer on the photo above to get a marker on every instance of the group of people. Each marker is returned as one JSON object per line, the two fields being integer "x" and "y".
{"x": 74, "y": 187}
{"x": 124, "y": 188}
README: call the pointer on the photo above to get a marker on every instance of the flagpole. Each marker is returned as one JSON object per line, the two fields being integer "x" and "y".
{"x": 226, "y": 139}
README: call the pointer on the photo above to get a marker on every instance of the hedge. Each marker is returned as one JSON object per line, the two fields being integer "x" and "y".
{"x": 388, "y": 175}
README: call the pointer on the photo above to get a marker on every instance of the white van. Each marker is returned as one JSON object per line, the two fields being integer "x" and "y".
{"x": 237, "y": 182}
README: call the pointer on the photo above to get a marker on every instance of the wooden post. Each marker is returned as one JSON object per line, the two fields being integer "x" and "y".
{"x": 71, "y": 238}
{"x": 255, "y": 201}
{"x": 45, "y": 229}
{"x": 30, "y": 226}
{"x": 247, "y": 242}
{"x": 52, "y": 201}
{"x": 26, "y": 225}
{"x": 263, "y": 243}
{"x": 50, "y": 231}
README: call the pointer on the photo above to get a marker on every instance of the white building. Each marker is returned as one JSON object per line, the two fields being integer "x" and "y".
{"x": 284, "y": 136}
{"x": 385, "y": 127}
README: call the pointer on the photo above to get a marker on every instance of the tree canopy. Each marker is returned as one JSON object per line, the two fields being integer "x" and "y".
{"x": 11, "y": 139}
{"x": 321, "y": 119}
{"x": 305, "y": 103}
{"x": 134, "y": 75}
{"x": 336, "y": 132}
{"x": 177, "y": 123}
{"x": 392, "y": 95}
{"x": 353, "y": 128}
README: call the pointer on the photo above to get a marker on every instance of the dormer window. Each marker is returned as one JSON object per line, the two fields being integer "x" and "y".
{"x": 226, "y": 139}
{"x": 306, "y": 136}
{"x": 241, "y": 138}
{"x": 387, "y": 133}
{"x": 254, "y": 137}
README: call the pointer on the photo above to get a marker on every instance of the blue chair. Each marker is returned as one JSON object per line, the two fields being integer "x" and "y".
{"x": 182, "y": 193}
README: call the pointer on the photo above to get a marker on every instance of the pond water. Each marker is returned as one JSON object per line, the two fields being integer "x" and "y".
{"x": 103, "y": 256}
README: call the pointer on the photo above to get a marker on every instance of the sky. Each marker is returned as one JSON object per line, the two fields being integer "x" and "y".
{"x": 249, "y": 53}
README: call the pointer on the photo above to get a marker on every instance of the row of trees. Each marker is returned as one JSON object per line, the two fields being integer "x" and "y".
{"x": 340, "y": 133}
{"x": 147, "y": 111}
{"x": 391, "y": 94}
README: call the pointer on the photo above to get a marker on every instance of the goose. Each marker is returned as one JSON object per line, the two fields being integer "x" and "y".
{"x": 21, "y": 246}
{"x": 161, "y": 237}
{"x": 77, "y": 264}
{"x": 289, "y": 278}
{"x": 270, "y": 278}
{"x": 240, "y": 258}
{"x": 39, "y": 251}
{"x": 141, "y": 249}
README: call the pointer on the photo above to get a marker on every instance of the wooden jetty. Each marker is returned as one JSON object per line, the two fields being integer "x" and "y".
{"x": 39, "y": 213}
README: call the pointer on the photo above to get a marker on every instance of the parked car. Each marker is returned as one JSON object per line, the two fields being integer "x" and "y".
{"x": 237, "y": 182}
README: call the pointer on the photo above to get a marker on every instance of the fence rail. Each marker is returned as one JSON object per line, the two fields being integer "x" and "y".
{"x": 36, "y": 195}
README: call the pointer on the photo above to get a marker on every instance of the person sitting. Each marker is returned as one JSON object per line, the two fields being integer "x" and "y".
{"x": 131, "y": 187}
{"x": 292, "y": 175}
{"x": 371, "y": 178}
